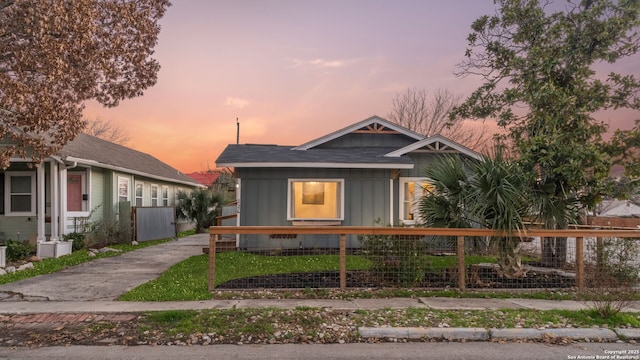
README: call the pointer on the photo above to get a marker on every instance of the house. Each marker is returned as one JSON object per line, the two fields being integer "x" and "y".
{"x": 367, "y": 172}
{"x": 207, "y": 179}
{"x": 86, "y": 181}
{"x": 618, "y": 208}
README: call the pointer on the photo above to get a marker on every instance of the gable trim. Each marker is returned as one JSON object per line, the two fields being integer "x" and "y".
{"x": 434, "y": 142}
{"x": 373, "y": 124}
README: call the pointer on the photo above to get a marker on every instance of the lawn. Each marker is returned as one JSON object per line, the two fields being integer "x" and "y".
{"x": 188, "y": 280}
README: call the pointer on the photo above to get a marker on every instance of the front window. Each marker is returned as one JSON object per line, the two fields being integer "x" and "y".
{"x": 20, "y": 193}
{"x": 316, "y": 200}
{"x": 411, "y": 191}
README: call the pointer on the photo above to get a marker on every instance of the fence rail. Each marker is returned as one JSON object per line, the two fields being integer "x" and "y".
{"x": 460, "y": 234}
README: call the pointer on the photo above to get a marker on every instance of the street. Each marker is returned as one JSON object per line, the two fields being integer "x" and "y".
{"x": 434, "y": 350}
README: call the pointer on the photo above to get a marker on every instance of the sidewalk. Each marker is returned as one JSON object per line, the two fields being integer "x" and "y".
{"x": 65, "y": 312}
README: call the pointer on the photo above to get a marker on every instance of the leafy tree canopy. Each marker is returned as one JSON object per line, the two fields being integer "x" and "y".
{"x": 537, "y": 60}
{"x": 57, "y": 54}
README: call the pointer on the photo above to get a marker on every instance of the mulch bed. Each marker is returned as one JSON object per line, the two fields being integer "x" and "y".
{"x": 478, "y": 277}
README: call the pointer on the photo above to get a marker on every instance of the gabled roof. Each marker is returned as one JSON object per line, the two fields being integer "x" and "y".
{"x": 372, "y": 124}
{"x": 435, "y": 143}
{"x": 204, "y": 178}
{"x": 283, "y": 156}
{"x": 90, "y": 150}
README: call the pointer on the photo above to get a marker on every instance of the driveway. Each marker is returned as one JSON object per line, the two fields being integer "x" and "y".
{"x": 107, "y": 278}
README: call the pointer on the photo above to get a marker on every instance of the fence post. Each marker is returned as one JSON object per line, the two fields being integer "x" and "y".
{"x": 460, "y": 254}
{"x": 580, "y": 263}
{"x": 212, "y": 260}
{"x": 343, "y": 261}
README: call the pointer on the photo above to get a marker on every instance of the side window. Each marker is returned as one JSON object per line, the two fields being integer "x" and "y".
{"x": 2, "y": 193}
{"x": 123, "y": 189}
{"x": 154, "y": 195}
{"x": 139, "y": 194}
{"x": 165, "y": 196}
{"x": 411, "y": 191}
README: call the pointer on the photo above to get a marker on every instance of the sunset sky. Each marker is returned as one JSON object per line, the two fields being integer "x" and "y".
{"x": 293, "y": 70}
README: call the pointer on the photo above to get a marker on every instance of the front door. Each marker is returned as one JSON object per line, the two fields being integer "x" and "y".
{"x": 74, "y": 192}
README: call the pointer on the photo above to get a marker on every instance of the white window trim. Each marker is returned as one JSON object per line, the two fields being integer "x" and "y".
{"x": 289, "y": 199}
{"x": 128, "y": 181}
{"x": 7, "y": 193}
{"x": 135, "y": 193}
{"x": 404, "y": 180}
{"x": 157, "y": 198}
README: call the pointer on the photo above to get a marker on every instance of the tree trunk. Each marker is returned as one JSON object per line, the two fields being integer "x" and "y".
{"x": 509, "y": 258}
{"x": 554, "y": 252}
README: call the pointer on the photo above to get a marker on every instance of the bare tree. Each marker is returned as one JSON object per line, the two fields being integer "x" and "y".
{"x": 417, "y": 111}
{"x": 57, "y": 54}
{"x": 107, "y": 131}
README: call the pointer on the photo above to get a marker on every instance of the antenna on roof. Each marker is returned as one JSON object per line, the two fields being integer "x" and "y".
{"x": 237, "y": 131}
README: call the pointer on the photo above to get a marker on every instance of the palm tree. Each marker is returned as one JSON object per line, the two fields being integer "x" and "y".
{"x": 489, "y": 193}
{"x": 200, "y": 205}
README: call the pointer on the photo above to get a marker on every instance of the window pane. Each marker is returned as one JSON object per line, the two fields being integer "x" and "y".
{"x": 139, "y": 190}
{"x": 21, "y": 203}
{"x": 316, "y": 199}
{"x": 21, "y": 184}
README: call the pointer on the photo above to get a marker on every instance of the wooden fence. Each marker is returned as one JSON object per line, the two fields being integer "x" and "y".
{"x": 460, "y": 234}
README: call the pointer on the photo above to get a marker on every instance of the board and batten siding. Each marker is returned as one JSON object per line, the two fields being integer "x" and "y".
{"x": 264, "y": 203}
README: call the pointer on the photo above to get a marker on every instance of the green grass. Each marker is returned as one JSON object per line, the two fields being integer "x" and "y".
{"x": 188, "y": 280}
{"x": 447, "y": 262}
{"x": 48, "y": 266}
{"x": 233, "y": 324}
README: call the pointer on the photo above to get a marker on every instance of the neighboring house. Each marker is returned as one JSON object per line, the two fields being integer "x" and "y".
{"x": 618, "y": 208}
{"x": 368, "y": 172}
{"x": 87, "y": 180}
{"x": 207, "y": 179}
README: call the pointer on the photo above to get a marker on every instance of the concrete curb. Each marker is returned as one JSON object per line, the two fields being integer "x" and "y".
{"x": 481, "y": 334}
{"x": 468, "y": 334}
{"x": 592, "y": 334}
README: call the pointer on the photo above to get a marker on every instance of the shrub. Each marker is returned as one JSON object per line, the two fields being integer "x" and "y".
{"x": 611, "y": 276}
{"x": 77, "y": 238}
{"x": 109, "y": 231}
{"x": 396, "y": 258}
{"x": 18, "y": 250}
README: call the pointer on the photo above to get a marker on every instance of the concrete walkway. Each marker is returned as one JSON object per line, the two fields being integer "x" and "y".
{"x": 107, "y": 278}
{"x": 93, "y": 287}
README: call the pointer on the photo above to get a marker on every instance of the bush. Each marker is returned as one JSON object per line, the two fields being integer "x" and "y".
{"x": 611, "y": 274}
{"x": 109, "y": 231}
{"x": 77, "y": 238}
{"x": 18, "y": 250}
{"x": 398, "y": 259}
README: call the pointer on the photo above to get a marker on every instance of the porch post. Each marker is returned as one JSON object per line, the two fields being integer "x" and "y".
{"x": 55, "y": 199}
{"x": 63, "y": 200}
{"x": 40, "y": 203}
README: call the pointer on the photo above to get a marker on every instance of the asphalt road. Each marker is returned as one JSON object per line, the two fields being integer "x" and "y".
{"x": 437, "y": 350}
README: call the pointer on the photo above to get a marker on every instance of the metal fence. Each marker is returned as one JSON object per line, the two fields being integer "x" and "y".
{"x": 426, "y": 258}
